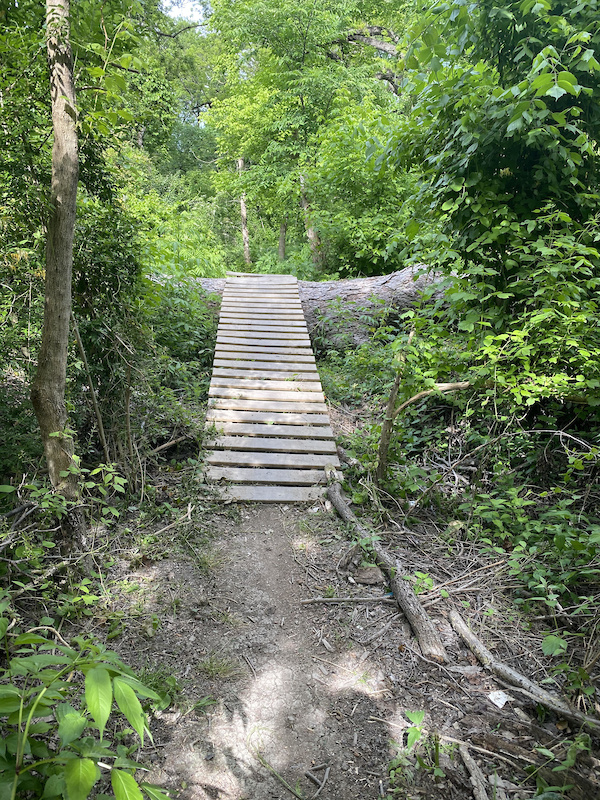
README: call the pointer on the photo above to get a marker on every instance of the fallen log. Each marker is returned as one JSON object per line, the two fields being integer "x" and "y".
{"x": 337, "y": 312}
{"x": 426, "y": 635}
{"x": 516, "y": 679}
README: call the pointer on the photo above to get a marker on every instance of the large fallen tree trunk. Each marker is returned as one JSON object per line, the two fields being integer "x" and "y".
{"x": 338, "y": 311}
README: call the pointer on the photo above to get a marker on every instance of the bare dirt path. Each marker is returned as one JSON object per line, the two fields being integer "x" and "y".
{"x": 292, "y": 691}
{"x": 266, "y": 688}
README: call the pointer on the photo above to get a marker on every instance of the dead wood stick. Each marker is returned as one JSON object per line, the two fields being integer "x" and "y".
{"x": 339, "y": 600}
{"x": 444, "y": 388}
{"x": 43, "y": 577}
{"x": 169, "y": 444}
{"x": 322, "y": 786}
{"x": 427, "y": 636}
{"x": 475, "y": 774}
{"x": 515, "y": 678}
{"x": 186, "y": 518}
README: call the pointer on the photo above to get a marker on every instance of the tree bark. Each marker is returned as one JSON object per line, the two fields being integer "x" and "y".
{"x": 282, "y": 234}
{"x": 311, "y": 233}
{"x": 427, "y": 636}
{"x": 48, "y": 388}
{"x": 244, "y": 215}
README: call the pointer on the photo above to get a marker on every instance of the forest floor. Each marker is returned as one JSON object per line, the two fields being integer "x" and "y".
{"x": 267, "y": 688}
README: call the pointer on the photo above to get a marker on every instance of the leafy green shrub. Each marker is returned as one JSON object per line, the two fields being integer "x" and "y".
{"x": 56, "y": 702}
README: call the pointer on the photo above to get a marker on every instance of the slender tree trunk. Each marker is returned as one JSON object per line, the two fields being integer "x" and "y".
{"x": 312, "y": 235}
{"x": 282, "y": 234}
{"x": 244, "y": 213}
{"x": 48, "y": 388}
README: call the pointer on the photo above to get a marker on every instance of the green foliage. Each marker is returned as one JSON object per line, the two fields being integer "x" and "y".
{"x": 56, "y": 701}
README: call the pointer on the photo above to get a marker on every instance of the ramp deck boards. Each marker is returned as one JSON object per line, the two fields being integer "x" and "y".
{"x": 271, "y": 438}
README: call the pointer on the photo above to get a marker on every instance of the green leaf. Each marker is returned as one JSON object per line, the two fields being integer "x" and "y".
{"x": 416, "y": 717}
{"x": 130, "y": 706}
{"x": 154, "y": 792}
{"x": 553, "y": 645}
{"x": 124, "y": 786}
{"x": 54, "y": 786}
{"x": 80, "y": 776}
{"x": 98, "y": 696}
{"x": 4, "y": 489}
{"x": 71, "y": 727}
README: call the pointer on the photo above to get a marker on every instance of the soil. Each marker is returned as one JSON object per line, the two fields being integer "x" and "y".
{"x": 268, "y": 688}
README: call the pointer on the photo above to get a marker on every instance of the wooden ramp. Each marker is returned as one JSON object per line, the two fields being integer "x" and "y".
{"x": 273, "y": 437}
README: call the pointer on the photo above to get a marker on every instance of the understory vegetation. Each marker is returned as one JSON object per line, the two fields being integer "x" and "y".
{"x": 359, "y": 138}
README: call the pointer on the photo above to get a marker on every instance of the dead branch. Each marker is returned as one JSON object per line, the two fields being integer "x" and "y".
{"x": 428, "y": 638}
{"x": 172, "y": 443}
{"x": 443, "y": 388}
{"x": 475, "y": 774}
{"x": 341, "y": 600}
{"x": 516, "y": 679}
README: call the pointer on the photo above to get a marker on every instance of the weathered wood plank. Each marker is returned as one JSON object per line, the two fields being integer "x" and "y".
{"x": 267, "y": 405}
{"x": 272, "y": 444}
{"x": 298, "y": 477}
{"x": 241, "y": 328}
{"x": 295, "y": 366}
{"x": 266, "y": 374}
{"x": 262, "y": 430}
{"x": 218, "y": 415}
{"x": 239, "y": 393}
{"x": 270, "y": 385}
{"x": 282, "y": 359}
{"x": 274, "y": 314}
{"x": 232, "y": 458}
{"x": 250, "y": 318}
{"x": 285, "y": 336}
{"x": 266, "y": 345}
{"x": 279, "y": 305}
{"x": 272, "y": 494}
{"x": 242, "y": 346}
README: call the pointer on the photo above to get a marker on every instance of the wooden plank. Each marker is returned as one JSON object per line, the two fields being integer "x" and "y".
{"x": 262, "y": 315}
{"x": 272, "y": 494}
{"x": 298, "y": 477}
{"x": 267, "y": 405}
{"x": 281, "y": 359}
{"x": 255, "y": 276}
{"x": 260, "y": 429}
{"x": 236, "y": 327}
{"x": 284, "y": 335}
{"x": 273, "y": 445}
{"x": 243, "y": 302}
{"x": 234, "y": 345}
{"x": 273, "y": 344}
{"x": 275, "y": 385}
{"x": 232, "y": 458}
{"x": 218, "y": 415}
{"x": 266, "y": 394}
{"x": 295, "y": 366}
{"x": 270, "y": 374}
{"x": 258, "y": 322}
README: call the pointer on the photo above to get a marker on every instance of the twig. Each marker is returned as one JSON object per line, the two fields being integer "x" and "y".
{"x": 187, "y": 518}
{"x": 169, "y": 444}
{"x": 475, "y": 774}
{"x": 322, "y": 786}
{"x": 44, "y": 576}
{"x": 275, "y": 774}
{"x": 515, "y": 678}
{"x": 336, "y": 600}
{"x": 247, "y": 660}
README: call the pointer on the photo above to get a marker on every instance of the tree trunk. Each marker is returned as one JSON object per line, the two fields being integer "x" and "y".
{"x": 244, "y": 214}
{"x": 48, "y": 388}
{"x": 335, "y": 311}
{"x": 282, "y": 234}
{"x": 312, "y": 235}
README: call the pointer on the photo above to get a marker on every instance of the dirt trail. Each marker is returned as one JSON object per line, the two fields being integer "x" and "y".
{"x": 302, "y": 694}
{"x": 296, "y": 688}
